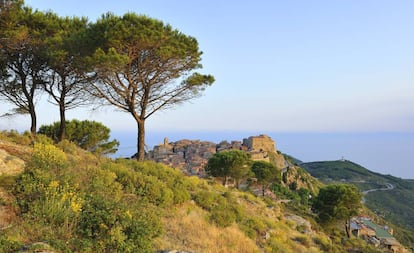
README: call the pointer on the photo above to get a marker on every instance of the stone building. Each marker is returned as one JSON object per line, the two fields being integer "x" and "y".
{"x": 379, "y": 236}
{"x": 191, "y": 156}
{"x": 263, "y": 148}
{"x": 260, "y": 143}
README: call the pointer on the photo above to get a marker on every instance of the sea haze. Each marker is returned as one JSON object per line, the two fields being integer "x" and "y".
{"x": 385, "y": 153}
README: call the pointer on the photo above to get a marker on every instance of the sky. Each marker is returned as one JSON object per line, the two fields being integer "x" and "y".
{"x": 297, "y": 66}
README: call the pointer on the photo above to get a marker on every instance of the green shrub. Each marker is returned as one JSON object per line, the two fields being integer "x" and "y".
{"x": 147, "y": 187}
{"x": 180, "y": 192}
{"x": 304, "y": 240}
{"x": 206, "y": 199}
{"x": 16, "y": 137}
{"x": 89, "y": 135}
{"x": 153, "y": 190}
{"x": 49, "y": 202}
{"x": 252, "y": 227}
{"x": 162, "y": 185}
{"x": 47, "y": 157}
{"x": 276, "y": 245}
{"x": 68, "y": 147}
{"x": 224, "y": 209}
{"x": 30, "y": 186}
{"x": 222, "y": 216}
{"x": 43, "y": 139}
{"x": 323, "y": 243}
{"x": 8, "y": 245}
{"x": 113, "y": 223}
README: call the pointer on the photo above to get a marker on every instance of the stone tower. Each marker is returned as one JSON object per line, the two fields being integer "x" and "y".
{"x": 260, "y": 143}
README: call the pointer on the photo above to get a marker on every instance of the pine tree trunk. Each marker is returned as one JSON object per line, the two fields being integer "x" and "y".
{"x": 33, "y": 118}
{"x": 141, "y": 141}
{"x": 347, "y": 229}
{"x": 62, "y": 122}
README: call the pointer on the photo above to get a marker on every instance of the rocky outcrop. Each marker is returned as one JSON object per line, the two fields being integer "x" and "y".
{"x": 9, "y": 164}
{"x": 296, "y": 178}
{"x": 302, "y": 225}
{"x": 38, "y": 247}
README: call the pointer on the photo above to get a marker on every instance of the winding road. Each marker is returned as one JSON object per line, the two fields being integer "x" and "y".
{"x": 387, "y": 187}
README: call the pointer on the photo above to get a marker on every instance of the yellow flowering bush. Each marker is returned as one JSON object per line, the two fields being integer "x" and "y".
{"x": 62, "y": 198}
{"x": 60, "y": 205}
{"x": 47, "y": 156}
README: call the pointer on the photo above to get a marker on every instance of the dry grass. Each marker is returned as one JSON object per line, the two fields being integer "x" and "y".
{"x": 7, "y": 214}
{"x": 15, "y": 149}
{"x": 187, "y": 228}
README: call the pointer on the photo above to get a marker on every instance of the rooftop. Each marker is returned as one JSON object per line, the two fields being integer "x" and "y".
{"x": 380, "y": 231}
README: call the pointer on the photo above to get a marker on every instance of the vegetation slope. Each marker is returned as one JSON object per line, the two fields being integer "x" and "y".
{"x": 68, "y": 200}
{"x": 395, "y": 205}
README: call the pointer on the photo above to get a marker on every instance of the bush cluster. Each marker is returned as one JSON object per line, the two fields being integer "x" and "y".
{"x": 113, "y": 207}
{"x": 223, "y": 208}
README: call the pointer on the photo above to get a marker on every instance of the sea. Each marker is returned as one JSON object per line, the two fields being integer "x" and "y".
{"x": 385, "y": 153}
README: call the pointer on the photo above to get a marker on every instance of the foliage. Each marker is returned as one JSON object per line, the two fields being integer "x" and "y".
{"x": 22, "y": 60}
{"x": 283, "y": 192}
{"x": 16, "y": 137}
{"x": 47, "y": 157}
{"x": 66, "y": 64}
{"x": 395, "y": 205}
{"x": 323, "y": 243}
{"x": 229, "y": 163}
{"x": 224, "y": 209}
{"x": 89, "y": 135}
{"x": 157, "y": 183}
{"x": 253, "y": 226}
{"x": 88, "y": 213}
{"x": 143, "y": 66}
{"x": 337, "y": 202}
{"x": 305, "y": 196}
{"x": 340, "y": 170}
{"x": 82, "y": 204}
{"x": 49, "y": 202}
{"x": 9, "y": 245}
{"x": 115, "y": 222}
{"x": 266, "y": 173}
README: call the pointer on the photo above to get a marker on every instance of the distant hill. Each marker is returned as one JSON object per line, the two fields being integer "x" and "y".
{"x": 342, "y": 170}
{"x": 395, "y": 205}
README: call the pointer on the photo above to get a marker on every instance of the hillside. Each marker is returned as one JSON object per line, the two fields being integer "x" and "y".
{"x": 390, "y": 197}
{"x": 59, "y": 198}
{"x": 342, "y": 170}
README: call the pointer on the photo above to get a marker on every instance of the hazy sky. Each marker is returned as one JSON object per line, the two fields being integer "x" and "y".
{"x": 289, "y": 66}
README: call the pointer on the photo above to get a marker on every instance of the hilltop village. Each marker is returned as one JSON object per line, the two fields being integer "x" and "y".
{"x": 192, "y": 155}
